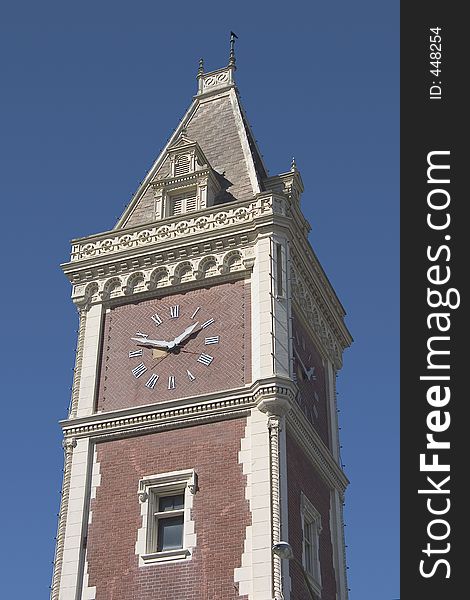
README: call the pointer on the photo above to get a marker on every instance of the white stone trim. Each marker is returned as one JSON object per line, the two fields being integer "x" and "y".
{"x": 171, "y": 414}
{"x": 74, "y": 531}
{"x": 77, "y": 371}
{"x": 68, "y": 445}
{"x": 90, "y": 361}
{"x": 182, "y": 481}
{"x": 178, "y": 228}
{"x": 281, "y": 309}
{"x": 254, "y": 576}
{"x": 261, "y": 315}
{"x": 308, "y": 511}
{"x": 89, "y": 592}
{"x": 274, "y": 425}
{"x": 286, "y": 579}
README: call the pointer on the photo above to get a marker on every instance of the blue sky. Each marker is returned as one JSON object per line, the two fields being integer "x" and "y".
{"x": 89, "y": 94}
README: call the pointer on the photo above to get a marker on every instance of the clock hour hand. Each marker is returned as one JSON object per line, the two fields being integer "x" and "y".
{"x": 152, "y": 343}
{"x": 186, "y": 333}
{"x": 309, "y": 372}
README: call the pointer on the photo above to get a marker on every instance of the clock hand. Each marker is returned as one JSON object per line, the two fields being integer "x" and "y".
{"x": 308, "y": 372}
{"x": 186, "y": 333}
{"x": 147, "y": 342}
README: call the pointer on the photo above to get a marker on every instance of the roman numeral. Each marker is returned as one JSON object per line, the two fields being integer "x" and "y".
{"x": 190, "y": 375}
{"x": 171, "y": 382}
{"x": 174, "y": 311}
{"x": 133, "y": 353}
{"x": 207, "y": 323}
{"x": 139, "y": 370}
{"x": 140, "y": 334}
{"x": 152, "y": 381}
{"x": 156, "y": 319}
{"x": 205, "y": 359}
{"x": 195, "y": 312}
{"x": 211, "y": 340}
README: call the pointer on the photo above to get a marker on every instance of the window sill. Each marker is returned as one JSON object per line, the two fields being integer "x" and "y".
{"x": 169, "y": 555}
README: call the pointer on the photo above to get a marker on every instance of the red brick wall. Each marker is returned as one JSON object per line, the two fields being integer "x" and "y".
{"x": 228, "y": 303}
{"x": 220, "y": 512}
{"x": 302, "y": 477}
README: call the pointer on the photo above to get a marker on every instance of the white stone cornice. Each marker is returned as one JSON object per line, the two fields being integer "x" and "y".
{"x": 316, "y": 450}
{"x": 165, "y": 272}
{"x": 159, "y": 234}
{"x": 178, "y": 413}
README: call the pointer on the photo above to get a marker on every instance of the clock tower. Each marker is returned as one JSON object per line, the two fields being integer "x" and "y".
{"x": 202, "y": 428}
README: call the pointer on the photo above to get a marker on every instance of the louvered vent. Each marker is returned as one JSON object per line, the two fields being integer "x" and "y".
{"x": 177, "y": 205}
{"x": 182, "y": 165}
{"x": 183, "y": 203}
{"x": 191, "y": 203}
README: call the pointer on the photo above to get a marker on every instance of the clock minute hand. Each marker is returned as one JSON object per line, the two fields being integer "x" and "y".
{"x": 147, "y": 342}
{"x": 186, "y": 333}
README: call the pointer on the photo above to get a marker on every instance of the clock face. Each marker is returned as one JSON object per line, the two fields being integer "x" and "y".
{"x": 309, "y": 375}
{"x": 176, "y": 346}
{"x": 187, "y": 361}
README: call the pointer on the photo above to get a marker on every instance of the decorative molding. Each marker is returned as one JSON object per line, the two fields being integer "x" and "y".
{"x": 316, "y": 314}
{"x": 77, "y": 371}
{"x": 176, "y": 413}
{"x": 215, "y": 81}
{"x": 254, "y": 578}
{"x": 166, "y": 275}
{"x": 315, "y": 450}
{"x": 313, "y": 292}
{"x": 173, "y": 228}
{"x": 150, "y": 487}
{"x": 68, "y": 444}
{"x": 274, "y": 427}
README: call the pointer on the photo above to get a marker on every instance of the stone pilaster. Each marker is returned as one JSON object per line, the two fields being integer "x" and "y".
{"x": 68, "y": 445}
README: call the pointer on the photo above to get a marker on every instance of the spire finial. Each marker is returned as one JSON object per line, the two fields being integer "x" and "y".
{"x": 200, "y": 71}
{"x": 233, "y": 37}
{"x": 293, "y": 165}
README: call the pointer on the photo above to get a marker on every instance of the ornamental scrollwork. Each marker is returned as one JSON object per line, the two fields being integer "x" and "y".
{"x": 177, "y": 228}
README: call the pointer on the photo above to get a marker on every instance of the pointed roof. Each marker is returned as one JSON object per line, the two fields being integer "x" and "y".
{"x": 217, "y": 122}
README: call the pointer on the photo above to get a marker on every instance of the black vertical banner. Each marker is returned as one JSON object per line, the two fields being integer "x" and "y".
{"x": 434, "y": 299}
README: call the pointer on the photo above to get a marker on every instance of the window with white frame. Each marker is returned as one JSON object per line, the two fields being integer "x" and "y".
{"x": 311, "y": 529}
{"x": 183, "y": 202}
{"x": 167, "y": 531}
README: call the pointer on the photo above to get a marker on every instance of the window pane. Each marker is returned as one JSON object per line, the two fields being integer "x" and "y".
{"x": 171, "y": 503}
{"x": 170, "y": 533}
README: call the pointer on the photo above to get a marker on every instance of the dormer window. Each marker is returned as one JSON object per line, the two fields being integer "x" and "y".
{"x": 189, "y": 185}
{"x": 183, "y": 202}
